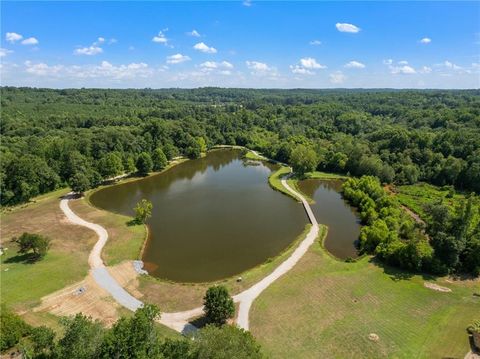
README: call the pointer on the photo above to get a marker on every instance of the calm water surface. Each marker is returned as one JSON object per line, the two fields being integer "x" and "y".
{"x": 212, "y": 217}
{"x": 330, "y": 209}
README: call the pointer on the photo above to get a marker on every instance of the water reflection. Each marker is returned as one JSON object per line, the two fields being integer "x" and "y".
{"x": 330, "y": 209}
{"x": 212, "y": 217}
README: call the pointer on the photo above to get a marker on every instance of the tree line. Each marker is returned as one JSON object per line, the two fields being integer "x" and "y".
{"x": 132, "y": 337}
{"x": 77, "y": 138}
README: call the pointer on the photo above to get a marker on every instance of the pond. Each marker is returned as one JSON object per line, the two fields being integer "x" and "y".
{"x": 212, "y": 217}
{"x": 331, "y": 209}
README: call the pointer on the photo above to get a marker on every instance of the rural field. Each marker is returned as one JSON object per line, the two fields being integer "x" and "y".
{"x": 239, "y": 179}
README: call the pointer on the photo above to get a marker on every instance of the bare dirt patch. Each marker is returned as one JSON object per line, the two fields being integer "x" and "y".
{"x": 436, "y": 287}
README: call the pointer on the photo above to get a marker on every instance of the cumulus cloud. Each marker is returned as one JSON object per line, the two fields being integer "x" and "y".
{"x": 177, "y": 59}
{"x": 311, "y": 63}
{"x": 93, "y": 49}
{"x": 354, "y": 65}
{"x": 305, "y": 66}
{"x": 299, "y": 70}
{"x": 425, "y": 70}
{"x": 194, "y": 33}
{"x": 405, "y": 70}
{"x": 89, "y": 50}
{"x": 4, "y": 52}
{"x": 337, "y": 77}
{"x": 13, "y": 37}
{"x": 451, "y": 65}
{"x": 261, "y": 69}
{"x": 344, "y": 27}
{"x": 403, "y": 62}
{"x": 425, "y": 40}
{"x": 30, "y": 41}
{"x": 216, "y": 65}
{"x": 387, "y": 61}
{"x": 105, "y": 70}
{"x": 161, "y": 38}
{"x": 315, "y": 42}
{"x": 201, "y": 46}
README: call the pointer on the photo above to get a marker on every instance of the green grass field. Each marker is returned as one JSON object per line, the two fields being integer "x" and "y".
{"x": 23, "y": 284}
{"x": 324, "y": 308}
{"x": 324, "y": 175}
{"x": 418, "y": 195}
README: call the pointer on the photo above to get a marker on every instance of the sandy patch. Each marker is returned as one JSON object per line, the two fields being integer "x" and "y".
{"x": 436, "y": 287}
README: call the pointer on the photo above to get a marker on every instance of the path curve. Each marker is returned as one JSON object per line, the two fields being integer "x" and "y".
{"x": 179, "y": 321}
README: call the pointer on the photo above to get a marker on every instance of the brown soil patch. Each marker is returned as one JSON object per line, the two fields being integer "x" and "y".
{"x": 436, "y": 287}
{"x": 83, "y": 297}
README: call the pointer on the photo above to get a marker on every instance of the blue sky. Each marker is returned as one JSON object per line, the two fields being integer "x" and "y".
{"x": 241, "y": 44}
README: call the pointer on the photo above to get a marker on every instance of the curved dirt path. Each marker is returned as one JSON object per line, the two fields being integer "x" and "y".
{"x": 179, "y": 321}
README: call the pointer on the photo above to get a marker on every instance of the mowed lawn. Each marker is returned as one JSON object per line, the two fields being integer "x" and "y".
{"x": 22, "y": 283}
{"x": 325, "y": 308}
{"x": 125, "y": 241}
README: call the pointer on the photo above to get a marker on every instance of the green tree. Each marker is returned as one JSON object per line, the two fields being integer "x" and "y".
{"x": 159, "y": 160}
{"x": 225, "y": 342}
{"x": 82, "y": 339}
{"x": 12, "y": 328}
{"x": 110, "y": 165}
{"x": 134, "y": 337}
{"x": 218, "y": 305}
{"x": 43, "y": 340}
{"x": 143, "y": 211}
{"x": 79, "y": 183}
{"x": 144, "y": 163}
{"x": 35, "y": 243}
{"x": 303, "y": 159}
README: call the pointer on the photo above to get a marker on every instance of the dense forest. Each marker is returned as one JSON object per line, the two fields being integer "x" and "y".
{"x": 50, "y": 138}
{"x": 77, "y": 138}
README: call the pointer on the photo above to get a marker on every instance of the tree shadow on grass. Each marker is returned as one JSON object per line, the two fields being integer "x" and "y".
{"x": 133, "y": 222}
{"x": 398, "y": 274}
{"x": 25, "y": 258}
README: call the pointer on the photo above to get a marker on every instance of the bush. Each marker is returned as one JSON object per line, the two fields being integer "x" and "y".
{"x": 12, "y": 329}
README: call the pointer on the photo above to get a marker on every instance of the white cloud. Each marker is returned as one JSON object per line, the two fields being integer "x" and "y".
{"x": 4, "y": 52}
{"x": 354, "y": 65}
{"x": 112, "y": 41}
{"x": 388, "y": 62}
{"x": 216, "y": 65}
{"x": 13, "y": 37}
{"x": 261, "y": 69}
{"x": 102, "y": 71}
{"x": 405, "y": 70}
{"x": 194, "y": 33}
{"x": 177, "y": 59}
{"x": 344, "y": 27}
{"x": 426, "y": 40}
{"x": 101, "y": 40}
{"x": 247, "y": 3}
{"x": 337, "y": 77}
{"x": 90, "y": 50}
{"x": 257, "y": 66}
{"x": 403, "y": 62}
{"x": 30, "y": 41}
{"x": 425, "y": 70}
{"x": 315, "y": 42}
{"x": 451, "y": 65}
{"x": 296, "y": 69}
{"x": 201, "y": 46}
{"x": 305, "y": 66}
{"x": 42, "y": 69}
{"x": 311, "y": 63}
{"x": 161, "y": 38}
